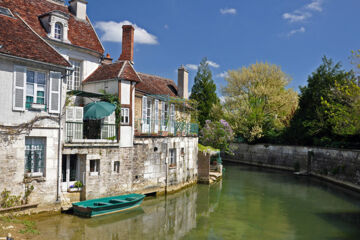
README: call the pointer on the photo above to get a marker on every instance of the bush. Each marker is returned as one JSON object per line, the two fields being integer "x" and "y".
{"x": 217, "y": 134}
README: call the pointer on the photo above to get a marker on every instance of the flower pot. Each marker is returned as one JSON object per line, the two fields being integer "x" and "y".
{"x": 74, "y": 189}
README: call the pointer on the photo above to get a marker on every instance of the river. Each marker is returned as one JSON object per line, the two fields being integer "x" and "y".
{"x": 249, "y": 203}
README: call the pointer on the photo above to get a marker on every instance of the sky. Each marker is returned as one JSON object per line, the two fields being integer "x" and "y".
{"x": 294, "y": 34}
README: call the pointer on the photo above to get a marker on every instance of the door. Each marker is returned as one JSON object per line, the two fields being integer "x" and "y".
{"x": 70, "y": 171}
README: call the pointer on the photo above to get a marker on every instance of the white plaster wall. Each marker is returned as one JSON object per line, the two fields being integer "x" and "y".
{"x": 8, "y": 116}
{"x": 125, "y": 92}
{"x": 110, "y": 86}
{"x": 89, "y": 62}
{"x": 126, "y": 136}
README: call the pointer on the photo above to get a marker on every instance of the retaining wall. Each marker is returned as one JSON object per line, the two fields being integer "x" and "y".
{"x": 339, "y": 166}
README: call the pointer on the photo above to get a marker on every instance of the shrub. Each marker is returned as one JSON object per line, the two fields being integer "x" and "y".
{"x": 217, "y": 134}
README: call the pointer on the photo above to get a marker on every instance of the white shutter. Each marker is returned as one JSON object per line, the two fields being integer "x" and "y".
{"x": 172, "y": 118}
{"x": 54, "y": 94}
{"x": 19, "y": 88}
{"x": 156, "y": 127}
{"x": 70, "y": 115}
{"x": 79, "y": 114}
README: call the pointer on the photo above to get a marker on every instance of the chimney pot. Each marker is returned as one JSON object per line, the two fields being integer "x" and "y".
{"x": 107, "y": 60}
{"x": 127, "y": 53}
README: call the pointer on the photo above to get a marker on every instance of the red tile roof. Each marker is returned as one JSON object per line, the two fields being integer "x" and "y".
{"x": 81, "y": 33}
{"x": 17, "y": 39}
{"x": 156, "y": 85}
{"x": 118, "y": 70}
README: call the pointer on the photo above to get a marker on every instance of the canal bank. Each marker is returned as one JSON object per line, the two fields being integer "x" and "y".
{"x": 335, "y": 165}
{"x": 249, "y": 203}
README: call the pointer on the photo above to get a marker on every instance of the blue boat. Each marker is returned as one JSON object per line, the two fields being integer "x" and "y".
{"x": 107, "y": 205}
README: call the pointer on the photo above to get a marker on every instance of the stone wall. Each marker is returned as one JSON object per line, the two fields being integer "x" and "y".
{"x": 340, "y": 166}
{"x": 12, "y": 170}
{"x": 204, "y": 166}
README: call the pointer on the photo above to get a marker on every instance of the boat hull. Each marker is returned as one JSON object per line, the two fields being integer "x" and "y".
{"x": 105, "y": 206}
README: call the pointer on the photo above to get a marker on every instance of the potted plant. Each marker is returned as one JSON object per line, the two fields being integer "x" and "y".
{"x": 76, "y": 187}
{"x": 164, "y": 133}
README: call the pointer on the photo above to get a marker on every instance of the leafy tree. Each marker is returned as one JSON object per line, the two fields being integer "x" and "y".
{"x": 204, "y": 92}
{"x": 257, "y": 103}
{"x": 322, "y": 106}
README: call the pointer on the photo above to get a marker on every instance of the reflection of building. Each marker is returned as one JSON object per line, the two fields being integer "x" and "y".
{"x": 52, "y": 66}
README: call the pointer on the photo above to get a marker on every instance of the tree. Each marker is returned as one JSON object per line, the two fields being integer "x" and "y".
{"x": 257, "y": 103}
{"x": 204, "y": 92}
{"x": 217, "y": 134}
{"x": 323, "y": 105}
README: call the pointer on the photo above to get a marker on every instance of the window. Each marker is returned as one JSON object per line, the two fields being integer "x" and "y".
{"x": 74, "y": 80}
{"x": 35, "y": 88}
{"x": 94, "y": 167}
{"x": 5, "y": 11}
{"x": 34, "y": 156}
{"x": 58, "y": 33}
{"x": 117, "y": 166}
{"x": 124, "y": 115}
{"x": 172, "y": 157}
{"x": 164, "y": 116}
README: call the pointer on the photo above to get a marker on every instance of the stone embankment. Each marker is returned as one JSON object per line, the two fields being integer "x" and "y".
{"x": 335, "y": 165}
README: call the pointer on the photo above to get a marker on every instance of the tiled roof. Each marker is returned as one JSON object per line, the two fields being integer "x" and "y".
{"x": 118, "y": 70}
{"x": 81, "y": 33}
{"x": 17, "y": 39}
{"x": 156, "y": 85}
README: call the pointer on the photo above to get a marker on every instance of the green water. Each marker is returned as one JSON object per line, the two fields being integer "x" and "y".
{"x": 248, "y": 204}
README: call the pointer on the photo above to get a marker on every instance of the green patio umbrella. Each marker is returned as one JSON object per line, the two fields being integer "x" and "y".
{"x": 98, "y": 110}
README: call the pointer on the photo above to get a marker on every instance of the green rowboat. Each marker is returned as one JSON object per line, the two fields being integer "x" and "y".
{"x": 107, "y": 205}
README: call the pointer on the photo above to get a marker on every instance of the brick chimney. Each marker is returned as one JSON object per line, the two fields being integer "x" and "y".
{"x": 183, "y": 82}
{"x": 78, "y": 7}
{"x": 127, "y": 43}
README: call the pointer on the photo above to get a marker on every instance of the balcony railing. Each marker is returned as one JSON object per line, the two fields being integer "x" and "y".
{"x": 151, "y": 127}
{"x": 75, "y": 132}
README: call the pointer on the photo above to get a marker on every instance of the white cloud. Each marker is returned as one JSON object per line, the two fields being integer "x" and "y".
{"x": 195, "y": 67}
{"x": 316, "y": 5}
{"x": 297, "y": 16}
{"x": 192, "y": 66}
{"x": 212, "y": 64}
{"x": 112, "y": 32}
{"x": 222, "y": 99}
{"x": 295, "y": 31}
{"x": 304, "y": 12}
{"x": 231, "y": 11}
{"x": 222, "y": 75}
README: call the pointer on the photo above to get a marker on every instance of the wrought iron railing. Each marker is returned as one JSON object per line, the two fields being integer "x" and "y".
{"x": 153, "y": 127}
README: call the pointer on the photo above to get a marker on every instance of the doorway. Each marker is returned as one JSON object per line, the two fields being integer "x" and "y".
{"x": 70, "y": 171}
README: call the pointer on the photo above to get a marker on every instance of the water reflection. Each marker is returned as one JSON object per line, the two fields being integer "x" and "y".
{"x": 166, "y": 217}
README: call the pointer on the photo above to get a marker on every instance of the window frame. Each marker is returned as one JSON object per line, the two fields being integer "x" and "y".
{"x": 77, "y": 65}
{"x": 36, "y": 87}
{"x": 41, "y": 164}
{"x": 125, "y": 116}
{"x": 116, "y": 167}
{"x": 96, "y": 170}
{"x": 172, "y": 158}
{"x": 59, "y": 32}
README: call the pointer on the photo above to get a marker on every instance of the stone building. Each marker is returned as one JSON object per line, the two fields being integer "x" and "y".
{"x": 52, "y": 64}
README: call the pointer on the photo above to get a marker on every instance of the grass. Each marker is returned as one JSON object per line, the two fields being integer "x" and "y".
{"x": 26, "y": 226}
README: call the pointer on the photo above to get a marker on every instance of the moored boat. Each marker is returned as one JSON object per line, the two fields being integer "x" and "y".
{"x": 107, "y": 205}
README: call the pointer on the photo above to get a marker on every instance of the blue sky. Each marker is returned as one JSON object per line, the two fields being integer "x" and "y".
{"x": 294, "y": 34}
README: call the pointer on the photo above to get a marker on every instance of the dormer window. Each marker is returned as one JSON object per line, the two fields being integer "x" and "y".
{"x": 58, "y": 34}
{"x": 56, "y": 24}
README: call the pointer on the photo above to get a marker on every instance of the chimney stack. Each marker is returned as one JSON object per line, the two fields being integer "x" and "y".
{"x": 127, "y": 43}
{"x": 183, "y": 82}
{"x": 78, "y": 7}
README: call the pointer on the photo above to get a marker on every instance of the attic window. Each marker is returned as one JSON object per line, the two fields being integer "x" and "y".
{"x": 5, "y": 11}
{"x": 58, "y": 31}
